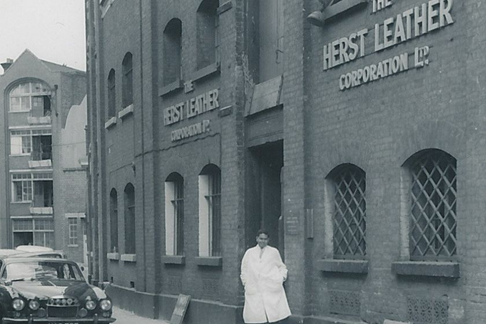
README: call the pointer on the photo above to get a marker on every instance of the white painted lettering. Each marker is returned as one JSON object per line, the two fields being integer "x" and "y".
{"x": 420, "y": 17}
{"x": 433, "y": 15}
{"x": 445, "y": 13}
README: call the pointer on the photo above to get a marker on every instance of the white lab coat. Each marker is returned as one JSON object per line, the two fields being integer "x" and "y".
{"x": 263, "y": 281}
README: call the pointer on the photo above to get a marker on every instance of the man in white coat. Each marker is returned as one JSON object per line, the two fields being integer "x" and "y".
{"x": 263, "y": 274}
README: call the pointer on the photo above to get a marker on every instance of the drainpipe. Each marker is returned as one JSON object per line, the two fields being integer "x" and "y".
{"x": 143, "y": 153}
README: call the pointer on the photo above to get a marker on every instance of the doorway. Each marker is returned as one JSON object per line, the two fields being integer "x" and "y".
{"x": 264, "y": 206}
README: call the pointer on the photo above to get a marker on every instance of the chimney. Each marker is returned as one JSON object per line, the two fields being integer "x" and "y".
{"x": 7, "y": 64}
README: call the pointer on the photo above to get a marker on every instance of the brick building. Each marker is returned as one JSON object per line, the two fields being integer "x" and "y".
{"x": 351, "y": 129}
{"x": 43, "y": 174}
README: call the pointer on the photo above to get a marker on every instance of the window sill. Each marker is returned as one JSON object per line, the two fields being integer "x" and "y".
{"x": 110, "y": 122}
{"x": 205, "y": 71}
{"x": 125, "y": 111}
{"x": 73, "y": 245}
{"x": 174, "y": 259}
{"x": 225, "y": 7}
{"x": 40, "y": 164}
{"x": 39, "y": 120}
{"x": 173, "y": 86}
{"x": 341, "y": 7}
{"x": 41, "y": 210}
{"x": 427, "y": 269}
{"x": 209, "y": 261}
{"x": 113, "y": 256}
{"x": 225, "y": 111}
{"x": 343, "y": 266}
{"x": 128, "y": 257}
{"x": 18, "y": 111}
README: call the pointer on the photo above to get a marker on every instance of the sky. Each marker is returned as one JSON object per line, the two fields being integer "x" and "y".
{"x": 51, "y": 29}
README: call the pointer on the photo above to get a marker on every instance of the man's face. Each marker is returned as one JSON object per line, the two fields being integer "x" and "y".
{"x": 262, "y": 240}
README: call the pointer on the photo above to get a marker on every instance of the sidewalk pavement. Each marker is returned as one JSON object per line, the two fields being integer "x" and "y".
{"x": 126, "y": 317}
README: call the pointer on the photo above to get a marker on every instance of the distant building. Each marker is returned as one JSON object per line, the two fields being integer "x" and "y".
{"x": 354, "y": 132}
{"x": 43, "y": 160}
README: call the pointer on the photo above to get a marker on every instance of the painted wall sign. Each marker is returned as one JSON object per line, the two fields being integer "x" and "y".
{"x": 412, "y": 23}
{"x": 190, "y": 131}
{"x": 191, "y": 108}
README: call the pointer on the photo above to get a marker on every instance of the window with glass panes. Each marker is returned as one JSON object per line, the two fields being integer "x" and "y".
{"x": 127, "y": 80}
{"x": 207, "y": 33}
{"x": 20, "y": 142}
{"x": 73, "y": 231}
{"x": 37, "y": 142}
{"x": 41, "y": 230}
{"x": 210, "y": 211}
{"x": 130, "y": 219}
{"x": 23, "y": 184}
{"x": 349, "y": 216}
{"x": 174, "y": 213}
{"x": 172, "y": 49}
{"x": 111, "y": 94}
{"x": 24, "y": 96}
{"x": 22, "y": 187}
{"x": 114, "y": 221}
{"x": 433, "y": 218}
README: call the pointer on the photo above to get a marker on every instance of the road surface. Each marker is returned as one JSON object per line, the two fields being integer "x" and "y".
{"x": 126, "y": 317}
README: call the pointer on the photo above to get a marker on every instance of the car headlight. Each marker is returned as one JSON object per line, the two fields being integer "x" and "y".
{"x": 105, "y": 304}
{"x": 90, "y": 305}
{"x": 34, "y": 305}
{"x": 18, "y": 304}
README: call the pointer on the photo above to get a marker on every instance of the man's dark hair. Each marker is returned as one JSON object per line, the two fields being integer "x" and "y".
{"x": 263, "y": 231}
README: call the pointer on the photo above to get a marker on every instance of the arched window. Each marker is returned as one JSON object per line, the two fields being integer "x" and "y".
{"x": 130, "y": 219}
{"x": 127, "y": 80}
{"x": 34, "y": 96}
{"x": 172, "y": 51}
{"x": 207, "y": 33}
{"x": 111, "y": 94}
{"x": 348, "y": 210}
{"x": 433, "y": 192}
{"x": 210, "y": 211}
{"x": 174, "y": 214}
{"x": 114, "y": 221}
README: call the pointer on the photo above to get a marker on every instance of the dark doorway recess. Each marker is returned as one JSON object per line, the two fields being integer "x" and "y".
{"x": 264, "y": 192}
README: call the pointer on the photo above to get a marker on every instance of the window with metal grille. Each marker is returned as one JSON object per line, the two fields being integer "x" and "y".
{"x": 129, "y": 219}
{"x": 113, "y": 221}
{"x": 433, "y": 219}
{"x": 210, "y": 211}
{"x": 174, "y": 214}
{"x": 127, "y": 80}
{"x": 349, "y": 212}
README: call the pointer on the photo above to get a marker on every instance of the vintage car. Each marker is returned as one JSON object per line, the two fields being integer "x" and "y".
{"x": 49, "y": 290}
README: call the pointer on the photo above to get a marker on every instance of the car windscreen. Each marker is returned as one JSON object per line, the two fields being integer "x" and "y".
{"x": 38, "y": 270}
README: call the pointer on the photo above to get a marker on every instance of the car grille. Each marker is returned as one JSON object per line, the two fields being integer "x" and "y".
{"x": 62, "y": 311}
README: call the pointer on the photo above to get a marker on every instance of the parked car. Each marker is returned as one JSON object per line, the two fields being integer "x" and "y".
{"x": 49, "y": 290}
{"x": 4, "y": 253}
{"x": 33, "y": 248}
{"x": 38, "y": 251}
